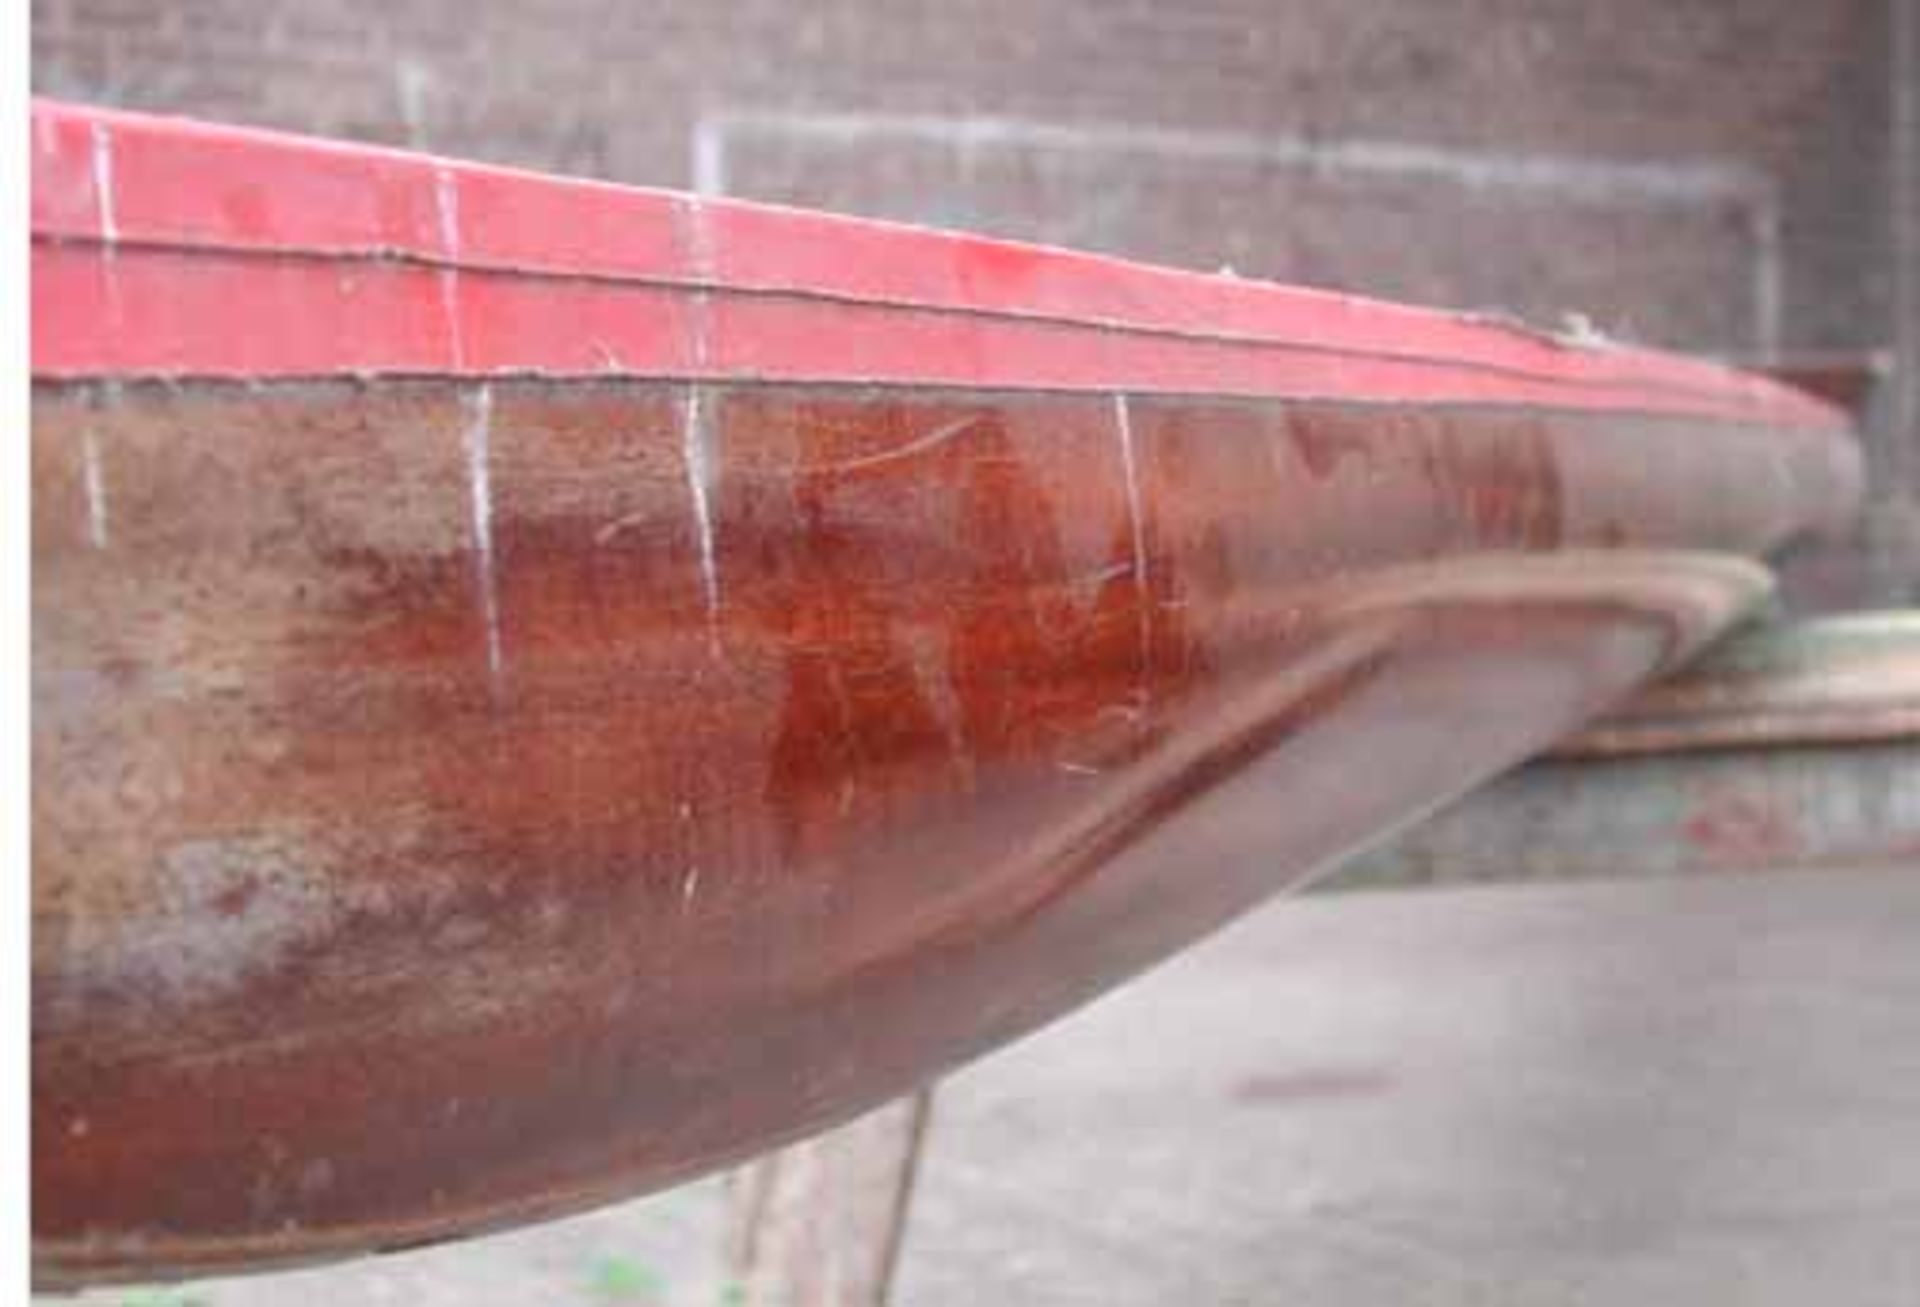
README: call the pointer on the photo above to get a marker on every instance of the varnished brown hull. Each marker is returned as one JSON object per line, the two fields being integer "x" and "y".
{"x": 463, "y": 799}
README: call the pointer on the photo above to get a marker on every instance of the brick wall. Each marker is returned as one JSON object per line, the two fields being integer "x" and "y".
{"x": 1710, "y": 176}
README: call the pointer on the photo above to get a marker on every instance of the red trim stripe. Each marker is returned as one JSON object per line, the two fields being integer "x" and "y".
{"x": 255, "y": 254}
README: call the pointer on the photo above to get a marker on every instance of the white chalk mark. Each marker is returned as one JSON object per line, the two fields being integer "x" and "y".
{"x": 708, "y": 164}
{"x": 606, "y": 534}
{"x": 698, "y": 455}
{"x": 696, "y": 437}
{"x": 446, "y": 206}
{"x": 479, "y": 440}
{"x": 411, "y": 81}
{"x": 938, "y": 436}
{"x": 689, "y": 886}
{"x": 1123, "y": 423}
{"x": 1111, "y": 572}
{"x": 1077, "y": 768}
{"x": 96, "y": 490}
{"x": 446, "y": 210}
{"x": 696, "y": 235}
{"x": 103, "y": 182}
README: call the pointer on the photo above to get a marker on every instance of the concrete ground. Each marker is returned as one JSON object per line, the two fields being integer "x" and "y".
{"x": 1699, "y": 1090}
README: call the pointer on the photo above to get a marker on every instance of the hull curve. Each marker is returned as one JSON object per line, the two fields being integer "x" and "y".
{"x": 463, "y": 795}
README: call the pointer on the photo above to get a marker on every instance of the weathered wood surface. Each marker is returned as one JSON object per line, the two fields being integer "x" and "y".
{"x": 466, "y": 797}
{"x": 409, "y": 849}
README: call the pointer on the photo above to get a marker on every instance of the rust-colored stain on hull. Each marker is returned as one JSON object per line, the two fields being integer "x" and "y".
{"x": 464, "y": 797}
{"x": 406, "y": 862}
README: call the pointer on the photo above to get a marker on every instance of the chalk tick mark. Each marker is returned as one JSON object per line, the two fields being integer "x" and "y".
{"x": 697, "y": 439}
{"x": 479, "y": 439}
{"x": 938, "y": 436}
{"x": 1111, "y": 572}
{"x": 697, "y": 238}
{"x": 103, "y": 182}
{"x": 446, "y": 205}
{"x": 95, "y": 483}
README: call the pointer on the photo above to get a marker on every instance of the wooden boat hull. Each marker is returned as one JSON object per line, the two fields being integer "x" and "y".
{"x": 463, "y": 794}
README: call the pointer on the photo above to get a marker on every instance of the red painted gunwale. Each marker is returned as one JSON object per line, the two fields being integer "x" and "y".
{"x": 373, "y": 261}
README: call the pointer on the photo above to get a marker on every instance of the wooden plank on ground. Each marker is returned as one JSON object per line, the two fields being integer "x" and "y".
{"x": 819, "y": 1223}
